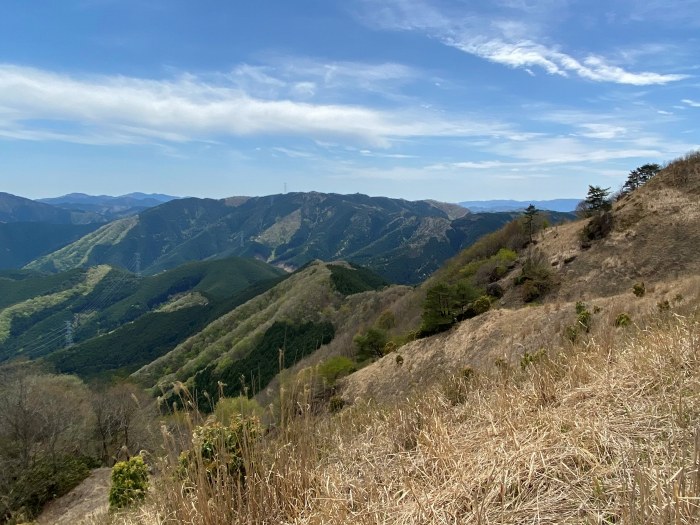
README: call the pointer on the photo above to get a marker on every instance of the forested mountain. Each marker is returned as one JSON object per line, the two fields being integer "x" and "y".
{"x": 19, "y": 209}
{"x": 403, "y": 241}
{"x": 116, "y": 320}
{"x": 22, "y": 242}
{"x": 105, "y": 208}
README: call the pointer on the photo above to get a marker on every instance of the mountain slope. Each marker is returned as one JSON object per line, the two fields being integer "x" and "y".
{"x": 19, "y": 209}
{"x": 105, "y": 208}
{"x": 404, "y": 241}
{"x": 653, "y": 241}
{"x": 301, "y": 314}
{"x": 22, "y": 242}
{"x": 118, "y": 321}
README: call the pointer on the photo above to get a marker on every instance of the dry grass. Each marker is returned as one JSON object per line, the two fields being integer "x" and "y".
{"x": 600, "y": 433}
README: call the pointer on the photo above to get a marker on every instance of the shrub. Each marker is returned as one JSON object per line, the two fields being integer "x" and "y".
{"x": 229, "y": 409}
{"x": 495, "y": 290}
{"x": 571, "y": 333}
{"x": 598, "y": 227}
{"x": 639, "y": 289}
{"x": 217, "y": 447}
{"x": 623, "y": 320}
{"x": 371, "y": 343}
{"x": 536, "y": 277}
{"x": 335, "y": 368}
{"x": 530, "y": 359}
{"x": 336, "y": 404}
{"x": 583, "y": 316}
{"x": 399, "y": 360}
{"x": 129, "y": 483}
{"x": 481, "y": 305}
{"x": 663, "y": 306}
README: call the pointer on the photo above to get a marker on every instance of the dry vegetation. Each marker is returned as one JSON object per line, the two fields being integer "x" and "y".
{"x": 602, "y": 432}
{"x": 502, "y": 419}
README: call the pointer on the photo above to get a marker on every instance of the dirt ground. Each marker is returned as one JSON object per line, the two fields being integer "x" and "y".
{"x": 87, "y": 499}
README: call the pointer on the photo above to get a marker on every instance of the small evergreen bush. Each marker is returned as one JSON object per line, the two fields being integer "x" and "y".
{"x": 623, "y": 320}
{"x": 129, "y": 483}
{"x": 639, "y": 289}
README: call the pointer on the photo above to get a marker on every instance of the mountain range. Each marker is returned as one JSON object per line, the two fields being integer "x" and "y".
{"x": 403, "y": 241}
{"x": 563, "y": 205}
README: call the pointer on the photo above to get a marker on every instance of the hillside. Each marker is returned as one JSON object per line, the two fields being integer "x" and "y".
{"x": 19, "y": 209}
{"x": 105, "y": 208}
{"x": 654, "y": 238}
{"x": 118, "y": 321}
{"x": 403, "y": 241}
{"x": 22, "y": 242}
{"x": 313, "y": 307}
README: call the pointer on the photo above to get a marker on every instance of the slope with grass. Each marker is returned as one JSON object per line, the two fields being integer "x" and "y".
{"x": 654, "y": 239}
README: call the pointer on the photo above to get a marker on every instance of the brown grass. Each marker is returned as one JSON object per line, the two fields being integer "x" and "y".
{"x": 600, "y": 433}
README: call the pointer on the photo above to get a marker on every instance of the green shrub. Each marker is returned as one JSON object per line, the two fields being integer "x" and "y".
{"x": 623, "y": 320}
{"x": 639, "y": 289}
{"x": 129, "y": 483}
{"x": 571, "y": 333}
{"x": 335, "y": 368}
{"x": 481, "y": 305}
{"x": 583, "y": 316}
{"x": 218, "y": 448}
{"x": 399, "y": 360}
{"x": 40, "y": 483}
{"x": 370, "y": 344}
{"x": 530, "y": 359}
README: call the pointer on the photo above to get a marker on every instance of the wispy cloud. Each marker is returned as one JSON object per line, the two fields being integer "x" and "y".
{"x": 691, "y": 103}
{"x": 190, "y": 108}
{"x": 504, "y": 41}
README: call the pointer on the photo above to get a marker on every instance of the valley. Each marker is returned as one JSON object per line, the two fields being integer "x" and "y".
{"x": 520, "y": 341}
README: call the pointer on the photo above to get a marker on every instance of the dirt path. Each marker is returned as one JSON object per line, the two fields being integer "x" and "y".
{"x": 88, "y": 498}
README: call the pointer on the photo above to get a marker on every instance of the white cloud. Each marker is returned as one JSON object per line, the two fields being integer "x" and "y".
{"x": 188, "y": 108}
{"x": 691, "y": 103}
{"x": 502, "y": 42}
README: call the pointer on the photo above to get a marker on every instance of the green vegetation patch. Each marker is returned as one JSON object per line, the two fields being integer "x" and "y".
{"x": 355, "y": 279}
{"x": 282, "y": 345}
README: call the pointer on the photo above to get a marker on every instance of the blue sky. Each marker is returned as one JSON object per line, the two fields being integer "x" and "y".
{"x": 451, "y": 100}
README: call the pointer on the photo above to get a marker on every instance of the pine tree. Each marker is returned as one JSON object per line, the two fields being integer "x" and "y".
{"x": 530, "y": 212}
{"x": 640, "y": 176}
{"x": 597, "y": 199}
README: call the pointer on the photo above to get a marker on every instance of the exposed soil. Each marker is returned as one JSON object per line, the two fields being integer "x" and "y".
{"x": 86, "y": 500}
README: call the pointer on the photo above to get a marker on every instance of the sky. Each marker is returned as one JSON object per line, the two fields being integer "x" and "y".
{"x": 443, "y": 99}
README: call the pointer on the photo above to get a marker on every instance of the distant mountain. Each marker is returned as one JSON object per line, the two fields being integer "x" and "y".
{"x": 105, "y": 208}
{"x": 403, "y": 241}
{"x": 19, "y": 209}
{"x": 21, "y": 242}
{"x": 562, "y": 205}
{"x": 119, "y": 322}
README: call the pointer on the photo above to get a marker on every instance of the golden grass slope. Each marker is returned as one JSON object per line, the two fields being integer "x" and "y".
{"x": 602, "y": 432}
